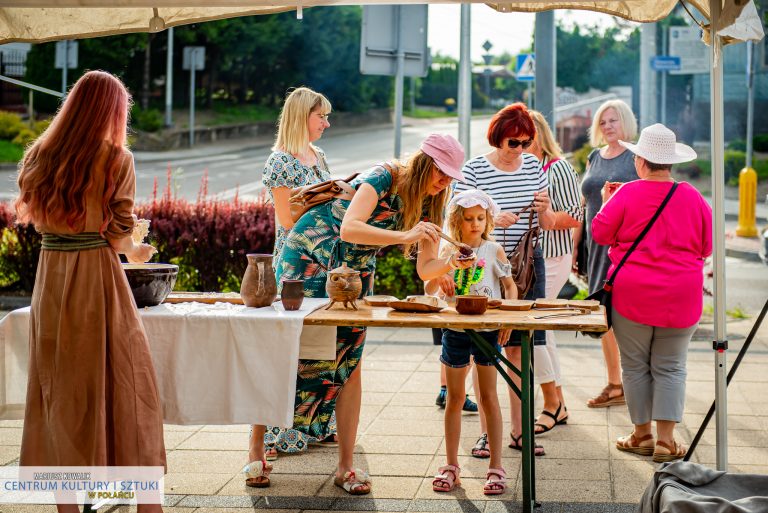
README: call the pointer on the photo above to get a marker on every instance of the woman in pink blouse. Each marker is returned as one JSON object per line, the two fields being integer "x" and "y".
{"x": 657, "y": 295}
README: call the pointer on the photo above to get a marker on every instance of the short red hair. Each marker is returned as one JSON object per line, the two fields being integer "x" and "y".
{"x": 511, "y": 121}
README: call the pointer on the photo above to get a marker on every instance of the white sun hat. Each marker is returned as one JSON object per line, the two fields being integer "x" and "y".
{"x": 473, "y": 198}
{"x": 657, "y": 144}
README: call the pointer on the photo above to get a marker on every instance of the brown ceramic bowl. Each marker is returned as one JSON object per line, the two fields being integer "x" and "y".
{"x": 471, "y": 305}
{"x": 150, "y": 283}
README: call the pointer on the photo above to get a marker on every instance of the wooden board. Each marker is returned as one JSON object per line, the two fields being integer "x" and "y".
{"x": 516, "y": 304}
{"x": 204, "y": 297}
{"x": 551, "y": 303}
{"x": 491, "y": 319}
{"x": 592, "y": 304}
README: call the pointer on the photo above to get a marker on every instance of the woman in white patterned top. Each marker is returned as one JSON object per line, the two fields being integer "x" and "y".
{"x": 558, "y": 248}
{"x": 295, "y": 161}
{"x": 515, "y": 181}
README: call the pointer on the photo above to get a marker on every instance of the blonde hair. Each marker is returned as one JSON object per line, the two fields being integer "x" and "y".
{"x": 626, "y": 119}
{"x": 292, "y": 134}
{"x": 544, "y": 137}
{"x": 413, "y": 181}
{"x": 456, "y": 217}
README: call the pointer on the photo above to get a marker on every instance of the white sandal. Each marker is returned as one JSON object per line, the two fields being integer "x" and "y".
{"x": 257, "y": 474}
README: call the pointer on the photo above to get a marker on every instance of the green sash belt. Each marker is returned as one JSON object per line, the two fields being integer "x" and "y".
{"x": 73, "y": 242}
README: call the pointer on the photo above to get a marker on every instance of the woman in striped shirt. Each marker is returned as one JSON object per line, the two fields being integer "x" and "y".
{"x": 558, "y": 248}
{"x": 515, "y": 181}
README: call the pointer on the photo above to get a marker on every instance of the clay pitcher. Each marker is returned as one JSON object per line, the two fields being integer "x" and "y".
{"x": 343, "y": 285}
{"x": 259, "y": 287}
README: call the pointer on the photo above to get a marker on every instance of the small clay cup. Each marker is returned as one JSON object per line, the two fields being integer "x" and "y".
{"x": 471, "y": 305}
{"x": 292, "y": 294}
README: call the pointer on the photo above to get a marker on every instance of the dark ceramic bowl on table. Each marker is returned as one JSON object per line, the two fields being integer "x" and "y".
{"x": 471, "y": 304}
{"x": 150, "y": 283}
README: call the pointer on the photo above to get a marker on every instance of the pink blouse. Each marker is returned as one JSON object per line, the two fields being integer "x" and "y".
{"x": 661, "y": 282}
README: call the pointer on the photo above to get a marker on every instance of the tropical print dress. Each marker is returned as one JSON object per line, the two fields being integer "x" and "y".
{"x": 312, "y": 248}
{"x": 284, "y": 170}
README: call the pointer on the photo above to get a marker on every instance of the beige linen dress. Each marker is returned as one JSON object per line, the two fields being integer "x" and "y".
{"x": 92, "y": 392}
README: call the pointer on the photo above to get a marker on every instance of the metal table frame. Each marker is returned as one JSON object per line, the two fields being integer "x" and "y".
{"x": 492, "y": 319}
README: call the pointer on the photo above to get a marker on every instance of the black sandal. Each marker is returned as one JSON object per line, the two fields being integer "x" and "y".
{"x": 517, "y": 444}
{"x": 481, "y": 450}
{"x": 553, "y": 416}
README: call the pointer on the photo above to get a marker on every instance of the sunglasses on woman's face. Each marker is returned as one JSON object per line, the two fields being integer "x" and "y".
{"x": 514, "y": 143}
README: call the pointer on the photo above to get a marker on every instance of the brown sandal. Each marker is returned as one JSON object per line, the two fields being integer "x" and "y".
{"x": 604, "y": 399}
{"x": 636, "y": 445}
{"x": 675, "y": 451}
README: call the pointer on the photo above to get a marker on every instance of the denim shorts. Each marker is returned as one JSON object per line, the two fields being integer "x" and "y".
{"x": 457, "y": 347}
{"x": 537, "y": 291}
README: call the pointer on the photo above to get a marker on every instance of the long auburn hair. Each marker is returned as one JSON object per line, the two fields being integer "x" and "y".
{"x": 57, "y": 169}
{"x": 413, "y": 180}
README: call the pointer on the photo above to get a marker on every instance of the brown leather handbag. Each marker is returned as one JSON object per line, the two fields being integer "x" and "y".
{"x": 521, "y": 258}
{"x": 308, "y": 196}
{"x": 304, "y": 198}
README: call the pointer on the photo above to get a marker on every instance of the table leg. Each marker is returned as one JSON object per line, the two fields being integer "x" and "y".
{"x": 526, "y": 397}
{"x": 526, "y": 385}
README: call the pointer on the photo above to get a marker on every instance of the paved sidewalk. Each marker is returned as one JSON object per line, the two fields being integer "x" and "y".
{"x": 401, "y": 440}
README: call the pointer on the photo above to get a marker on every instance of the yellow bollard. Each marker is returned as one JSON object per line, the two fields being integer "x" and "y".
{"x": 747, "y": 203}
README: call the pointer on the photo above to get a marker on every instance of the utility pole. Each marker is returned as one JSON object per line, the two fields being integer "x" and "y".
{"x": 399, "y": 77}
{"x": 647, "y": 75}
{"x": 169, "y": 81}
{"x": 465, "y": 78}
{"x": 546, "y": 66}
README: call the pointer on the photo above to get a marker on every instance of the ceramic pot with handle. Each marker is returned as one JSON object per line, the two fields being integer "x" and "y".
{"x": 259, "y": 287}
{"x": 343, "y": 285}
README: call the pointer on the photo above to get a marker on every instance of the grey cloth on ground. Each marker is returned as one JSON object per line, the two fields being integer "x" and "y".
{"x": 617, "y": 169}
{"x": 686, "y": 487}
{"x": 653, "y": 365}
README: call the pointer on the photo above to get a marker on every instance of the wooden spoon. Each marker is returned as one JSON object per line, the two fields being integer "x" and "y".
{"x": 464, "y": 249}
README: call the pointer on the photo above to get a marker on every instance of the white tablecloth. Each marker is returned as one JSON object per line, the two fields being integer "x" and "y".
{"x": 215, "y": 364}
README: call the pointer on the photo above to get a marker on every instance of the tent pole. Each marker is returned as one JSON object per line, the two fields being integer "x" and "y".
{"x": 720, "y": 344}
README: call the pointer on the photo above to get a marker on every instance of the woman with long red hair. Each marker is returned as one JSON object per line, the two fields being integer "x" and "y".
{"x": 92, "y": 394}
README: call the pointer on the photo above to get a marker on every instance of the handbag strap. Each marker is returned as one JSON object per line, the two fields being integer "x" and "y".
{"x": 530, "y": 227}
{"x": 548, "y": 164}
{"x": 609, "y": 283}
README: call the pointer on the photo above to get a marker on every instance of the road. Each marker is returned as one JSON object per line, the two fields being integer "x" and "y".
{"x": 348, "y": 152}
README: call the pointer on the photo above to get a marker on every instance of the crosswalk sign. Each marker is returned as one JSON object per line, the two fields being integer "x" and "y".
{"x": 526, "y": 67}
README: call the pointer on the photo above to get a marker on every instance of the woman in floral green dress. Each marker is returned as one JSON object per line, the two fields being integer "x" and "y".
{"x": 295, "y": 161}
{"x": 388, "y": 208}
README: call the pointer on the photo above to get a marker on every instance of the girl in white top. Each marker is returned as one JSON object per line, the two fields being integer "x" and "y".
{"x": 470, "y": 220}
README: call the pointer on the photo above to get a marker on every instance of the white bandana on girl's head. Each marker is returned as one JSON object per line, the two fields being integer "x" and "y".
{"x": 474, "y": 198}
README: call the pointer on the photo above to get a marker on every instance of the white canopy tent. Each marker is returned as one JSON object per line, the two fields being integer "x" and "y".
{"x": 48, "y": 20}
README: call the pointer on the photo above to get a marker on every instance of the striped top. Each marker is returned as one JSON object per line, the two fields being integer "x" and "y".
{"x": 512, "y": 190}
{"x": 565, "y": 195}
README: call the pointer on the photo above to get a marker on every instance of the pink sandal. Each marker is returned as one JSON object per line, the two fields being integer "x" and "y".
{"x": 447, "y": 479}
{"x": 496, "y": 482}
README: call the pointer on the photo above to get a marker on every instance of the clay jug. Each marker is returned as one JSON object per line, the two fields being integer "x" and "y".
{"x": 343, "y": 285}
{"x": 259, "y": 287}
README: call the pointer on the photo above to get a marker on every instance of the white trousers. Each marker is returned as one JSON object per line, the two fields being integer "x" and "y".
{"x": 546, "y": 362}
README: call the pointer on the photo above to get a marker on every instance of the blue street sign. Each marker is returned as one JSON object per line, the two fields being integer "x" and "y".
{"x": 665, "y": 63}
{"x": 525, "y": 70}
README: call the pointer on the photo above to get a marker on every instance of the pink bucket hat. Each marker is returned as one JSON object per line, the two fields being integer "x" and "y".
{"x": 447, "y": 154}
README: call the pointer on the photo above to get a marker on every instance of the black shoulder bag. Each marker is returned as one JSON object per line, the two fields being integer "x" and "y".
{"x": 603, "y": 295}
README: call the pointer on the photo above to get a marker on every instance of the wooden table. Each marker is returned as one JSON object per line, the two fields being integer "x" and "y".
{"x": 492, "y": 319}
